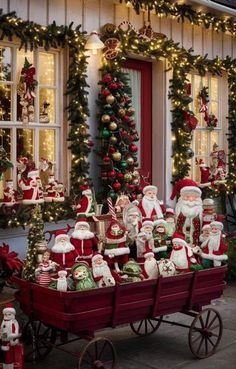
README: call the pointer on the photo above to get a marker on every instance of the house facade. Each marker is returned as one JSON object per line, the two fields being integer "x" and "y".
{"x": 45, "y": 134}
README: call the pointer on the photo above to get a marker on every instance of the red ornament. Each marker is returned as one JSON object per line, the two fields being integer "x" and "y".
{"x": 116, "y": 186}
{"x": 90, "y": 143}
{"x": 126, "y": 118}
{"x": 119, "y": 175}
{"x": 131, "y": 187}
{"x": 111, "y": 174}
{"x": 106, "y": 92}
{"x": 111, "y": 149}
{"x": 106, "y": 159}
{"x": 133, "y": 148}
{"x": 104, "y": 175}
{"x": 132, "y": 124}
{"x": 133, "y": 196}
{"x": 113, "y": 86}
{"x": 107, "y": 78}
{"x": 140, "y": 189}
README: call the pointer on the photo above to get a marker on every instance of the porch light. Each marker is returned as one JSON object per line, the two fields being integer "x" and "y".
{"x": 94, "y": 43}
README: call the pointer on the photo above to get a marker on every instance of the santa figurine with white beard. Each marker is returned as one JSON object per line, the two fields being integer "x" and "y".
{"x": 182, "y": 254}
{"x": 32, "y": 189}
{"x": 213, "y": 249}
{"x": 150, "y": 265}
{"x": 149, "y": 205}
{"x": 101, "y": 271}
{"x": 63, "y": 252}
{"x": 188, "y": 210}
{"x": 86, "y": 207}
{"x": 84, "y": 241}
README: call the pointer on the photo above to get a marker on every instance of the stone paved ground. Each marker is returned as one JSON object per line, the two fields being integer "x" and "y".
{"x": 166, "y": 349}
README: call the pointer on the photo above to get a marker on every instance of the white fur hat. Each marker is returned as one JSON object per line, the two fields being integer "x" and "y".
{"x": 33, "y": 173}
{"x": 190, "y": 189}
{"x": 206, "y": 226}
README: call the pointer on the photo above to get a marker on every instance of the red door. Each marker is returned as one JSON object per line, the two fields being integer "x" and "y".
{"x": 143, "y": 88}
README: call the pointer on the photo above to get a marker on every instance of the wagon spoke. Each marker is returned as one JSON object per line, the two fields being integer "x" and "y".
{"x": 200, "y": 345}
{"x": 150, "y": 322}
{"x": 212, "y": 321}
{"x": 146, "y": 326}
{"x": 196, "y": 339}
{"x": 98, "y": 353}
{"x": 206, "y": 345}
{"x": 102, "y": 349}
{"x": 211, "y": 342}
{"x": 140, "y": 325}
{"x": 202, "y": 322}
{"x": 146, "y": 329}
{"x": 207, "y": 318}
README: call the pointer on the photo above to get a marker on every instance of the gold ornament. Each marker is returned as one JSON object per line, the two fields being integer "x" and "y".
{"x": 130, "y": 161}
{"x": 113, "y": 139}
{"x": 105, "y": 118}
{"x": 112, "y": 126}
{"x": 110, "y": 99}
{"x": 121, "y": 112}
{"x": 128, "y": 177}
{"x": 130, "y": 111}
{"x": 116, "y": 156}
{"x": 135, "y": 174}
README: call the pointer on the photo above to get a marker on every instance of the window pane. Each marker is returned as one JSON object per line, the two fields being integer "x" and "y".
{"x": 214, "y": 89}
{"x": 5, "y": 141}
{"x": 215, "y": 110}
{"x": 201, "y": 147}
{"x": 47, "y": 105}
{"x": 25, "y": 142}
{"x": 5, "y": 64}
{"x": 5, "y": 102}
{"x": 47, "y": 69}
{"x": 47, "y": 144}
{"x": 214, "y": 137}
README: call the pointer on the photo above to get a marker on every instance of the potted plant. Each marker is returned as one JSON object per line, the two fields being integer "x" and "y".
{"x": 9, "y": 264}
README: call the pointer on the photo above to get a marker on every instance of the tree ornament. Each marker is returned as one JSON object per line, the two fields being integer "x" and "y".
{"x": 106, "y": 92}
{"x": 131, "y": 123}
{"x": 133, "y": 196}
{"x": 107, "y": 78}
{"x": 106, "y": 159}
{"x": 130, "y": 111}
{"x": 110, "y": 99}
{"x": 116, "y": 156}
{"x": 121, "y": 112}
{"x": 112, "y": 126}
{"x": 123, "y": 164}
{"x": 133, "y": 148}
{"x": 116, "y": 186}
{"x": 83, "y": 130}
{"x": 113, "y": 139}
{"x": 135, "y": 174}
{"x": 111, "y": 174}
{"x": 130, "y": 160}
{"x": 105, "y": 118}
{"x": 128, "y": 177}
{"x": 131, "y": 187}
{"x": 113, "y": 86}
{"x": 120, "y": 175}
{"x": 111, "y": 149}
{"x": 104, "y": 175}
{"x": 189, "y": 153}
{"x": 105, "y": 133}
{"x": 140, "y": 189}
{"x": 126, "y": 119}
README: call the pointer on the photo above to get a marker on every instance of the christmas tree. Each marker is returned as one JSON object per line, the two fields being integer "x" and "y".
{"x": 118, "y": 134}
{"x": 35, "y": 235}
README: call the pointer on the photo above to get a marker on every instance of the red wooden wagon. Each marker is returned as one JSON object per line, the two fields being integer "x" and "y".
{"x": 141, "y": 304}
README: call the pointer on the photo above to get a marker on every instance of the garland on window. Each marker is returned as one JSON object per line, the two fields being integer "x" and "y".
{"x": 182, "y": 62}
{"x": 180, "y": 12}
{"x": 32, "y": 36}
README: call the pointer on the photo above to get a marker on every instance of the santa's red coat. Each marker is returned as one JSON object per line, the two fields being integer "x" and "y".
{"x": 85, "y": 208}
{"x": 196, "y": 227}
{"x": 9, "y": 195}
{"x": 65, "y": 260}
{"x": 84, "y": 248}
{"x": 9, "y": 356}
{"x": 31, "y": 193}
{"x": 222, "y": 249}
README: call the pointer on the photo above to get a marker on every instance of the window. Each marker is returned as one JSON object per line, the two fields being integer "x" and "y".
{"x": 29, "y": 128}
{"x": 204, "y": 139}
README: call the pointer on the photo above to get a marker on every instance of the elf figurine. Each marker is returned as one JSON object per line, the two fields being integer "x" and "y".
{"x": 82, "y": 276}
{"x": 10, "y": 195}
{"x": 170, "y": 221}
{"x": 9, "y": 336}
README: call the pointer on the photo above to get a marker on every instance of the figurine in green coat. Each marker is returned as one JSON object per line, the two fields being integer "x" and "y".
{"x": 82, "y": 276}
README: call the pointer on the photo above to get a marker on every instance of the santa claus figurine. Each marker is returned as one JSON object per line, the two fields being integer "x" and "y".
{"x": 160, "y": 237}
{"x": 149, "y": 205}
{"x": 150, "y": 265}
{"x": 205, "y": 233}
{"x": 182, "y": 254}
{"x": 10, "y": 195}
{"x": 214, "y": 248}
{"x": 84, "y": 241}
{"x": 63, "y": 252}
{"x": 209, "y": 214}
{"x": 101, "y": 271}
{"x": 54, "y": 190}
{"x": 116, "y": 250}
{"x": 170, "y": 221}
{"x": 86, "y": 207}
{"x": 32, "y": 192}
{"x": 132, "y": 219}
{"x": 9, "y": 334}
{"x": 188, "y": 210}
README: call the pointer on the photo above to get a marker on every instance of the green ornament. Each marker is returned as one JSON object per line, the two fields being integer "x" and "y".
{"x": 106, "y": 133}
{"x": 112, "y": 194}
{"x": 123, "y": 164}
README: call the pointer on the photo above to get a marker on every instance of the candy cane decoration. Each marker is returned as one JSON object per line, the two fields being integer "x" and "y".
{"x": 111, "y": 209}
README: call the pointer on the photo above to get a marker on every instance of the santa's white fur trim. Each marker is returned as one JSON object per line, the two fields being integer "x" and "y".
{"x": 159, "y": 249}
{"x": 30, "y": 201}
{"x": 82, "y": 223}
{"x": 58, "y": 199}
{"x": 179, "y": 240}
{"x": 115, "y": 241}
{"x": 150, "y": 188}
{"x": 83, "y": 257}
{"x": 9, "y": 310}
{"x": 190, "y": 189}
{"x": 97, "y": 256}
{"x": 117, "y": 252}
{"x": 61, "y": 236}
{"x": 214, "y": 257}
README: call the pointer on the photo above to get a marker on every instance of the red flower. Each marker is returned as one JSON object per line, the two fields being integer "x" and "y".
{"x": 9, "y": 260}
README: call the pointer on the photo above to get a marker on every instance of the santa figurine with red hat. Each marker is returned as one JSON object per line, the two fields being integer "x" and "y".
{"x": 63, "y": 252}
{"x": 182, "y": 254}
{"x": 10, "y": 195}
{"x": 145, "y": 241}
{"x": 188, "y": 210}
{"x": 32, "y": 191}
{"x": 84, "y": 241}
{"x": 55, "y": 191}
{"x": 9, "y": 334}
{"x": 170, "y": 221}
{"x": 205, "y": 233}
{"x": 214, "y": 249}
{"x": 101, "y": 271}
{"x": 209, "y": 214}
{"x": 150, "y": 265}
{"x": 149, "y": 205}
{"x": 86, "y": 207}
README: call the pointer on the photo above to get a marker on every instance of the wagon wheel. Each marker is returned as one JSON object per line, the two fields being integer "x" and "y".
{"x": 98, "y": 354}
{"x": 146, "y": 327}
{"x": 205, "y": 333}
{"x": 38, "y": 339}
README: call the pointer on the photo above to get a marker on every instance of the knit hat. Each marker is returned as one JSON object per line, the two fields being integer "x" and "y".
{"x": 81, "y": 222}
{"x": 78, "y": 265}
{"x": 9, "y": 309}
{"x": 185, "y": 185}
{"x": 217, "y": 224}
{"x": 149, "y": 188}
